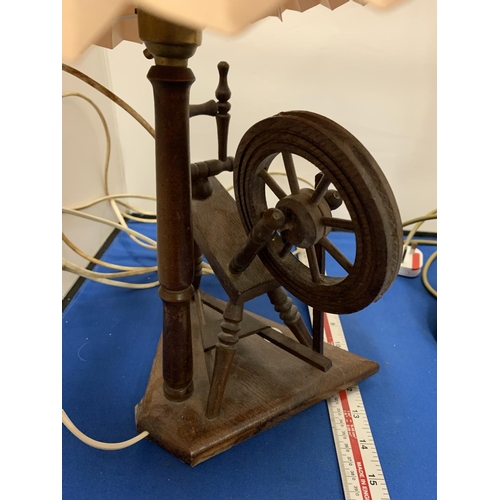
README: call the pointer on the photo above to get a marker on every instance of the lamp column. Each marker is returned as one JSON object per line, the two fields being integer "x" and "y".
{"x": 171, "y": 46}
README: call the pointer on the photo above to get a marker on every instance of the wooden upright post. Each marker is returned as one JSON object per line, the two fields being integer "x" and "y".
{"x": 171, "y": 46}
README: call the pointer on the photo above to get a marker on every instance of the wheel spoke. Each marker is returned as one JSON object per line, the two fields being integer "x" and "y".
{"x": 338, "y": 223}
{"x": 336, "y": 254}
{"x": 313, "y": 264}
{"x": 320, "y": 190}
{"x": 320, "y": 255}
{"x": 272, "y": 184}
{"x": 293, "y": 181}
{"x": 287, "y": 246}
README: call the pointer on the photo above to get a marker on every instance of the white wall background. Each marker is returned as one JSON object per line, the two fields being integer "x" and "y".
{"x": 374, "y": 72}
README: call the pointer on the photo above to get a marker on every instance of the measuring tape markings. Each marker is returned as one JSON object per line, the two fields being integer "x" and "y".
{"x": 359, "y": 465}
{"x": 351, "y": 430}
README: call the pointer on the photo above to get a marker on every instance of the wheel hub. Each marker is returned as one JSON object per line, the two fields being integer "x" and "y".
{"x": 303, "y": 227}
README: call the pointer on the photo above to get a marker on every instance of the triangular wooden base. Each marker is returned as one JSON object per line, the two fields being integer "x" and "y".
{"x": 266, "y": 386}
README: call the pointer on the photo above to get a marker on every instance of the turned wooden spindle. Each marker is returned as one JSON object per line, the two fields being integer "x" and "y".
{"x": 223, "y": 94}
{"x": 224, "y": 354}
{"x": 290, "y": 315}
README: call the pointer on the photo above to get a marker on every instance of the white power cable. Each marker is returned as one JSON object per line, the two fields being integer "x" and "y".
{"x": 139, "y": 270}
{"x": 279, "y": 172}
{"x": 113, "y": 199}
{"x": 109, "y": 223}
{"x": 418, "y": 221}
{"x": 106, "y": 278}
{"x": 99, "y": 444}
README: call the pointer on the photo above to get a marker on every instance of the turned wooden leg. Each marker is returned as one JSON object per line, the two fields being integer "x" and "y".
{"x": 290, "y": 315}
{"x": 224, "y": 354}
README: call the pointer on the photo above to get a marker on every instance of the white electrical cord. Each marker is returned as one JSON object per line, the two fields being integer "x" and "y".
{"x": 118, "y": 213}
{"x": 106, "y": 278}
{"x": 109, "y": 223}
{"x": 114, "y": 200}
{"x": 103, "y": 263}
{"x": 278, "y": 172}
{"x": 116, "y": 197}
{"x": 418, "y": 221}
{"x": 99, "y": 444}
{"x": 103, "y": 90}
{"x": 425, "y": 271}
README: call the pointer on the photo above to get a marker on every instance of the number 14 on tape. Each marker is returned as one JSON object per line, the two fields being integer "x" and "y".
{"x": 359, "y": 465}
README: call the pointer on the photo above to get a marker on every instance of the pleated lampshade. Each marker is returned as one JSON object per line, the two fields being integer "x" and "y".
{"x": 107, "y": 22}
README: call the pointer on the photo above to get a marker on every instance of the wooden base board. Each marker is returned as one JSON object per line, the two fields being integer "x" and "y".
{"x": 266, "y": 386}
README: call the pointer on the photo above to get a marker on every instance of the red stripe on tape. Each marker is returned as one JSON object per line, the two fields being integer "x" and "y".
{"x": 328, "y": 331}
{"x": 356, "y": 451}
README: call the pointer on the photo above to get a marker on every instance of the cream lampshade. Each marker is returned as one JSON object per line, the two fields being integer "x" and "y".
{"x": 107, "y": 22}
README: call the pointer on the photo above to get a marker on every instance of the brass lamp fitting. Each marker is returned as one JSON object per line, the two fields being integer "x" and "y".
{"x": 169, "y": 43}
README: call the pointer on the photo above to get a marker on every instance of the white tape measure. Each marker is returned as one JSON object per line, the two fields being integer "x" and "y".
{"x": 360, "y": 468}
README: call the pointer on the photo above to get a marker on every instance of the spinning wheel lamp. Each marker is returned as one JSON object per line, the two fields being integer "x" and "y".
{"x": 222, "y": 374}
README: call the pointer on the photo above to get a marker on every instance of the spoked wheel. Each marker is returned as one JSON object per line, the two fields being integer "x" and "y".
{"x": 346, "y": 173}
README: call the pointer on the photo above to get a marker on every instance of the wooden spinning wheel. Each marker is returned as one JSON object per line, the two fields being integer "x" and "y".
{"x": 222, "y": 374}
{"x": 347, "y": 169}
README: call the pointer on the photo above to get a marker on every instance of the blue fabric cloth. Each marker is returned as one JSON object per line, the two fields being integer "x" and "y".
{"x": 109, "y": 341}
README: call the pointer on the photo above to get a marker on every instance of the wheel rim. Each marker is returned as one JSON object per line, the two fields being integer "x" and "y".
{"x": 344, "y": 164}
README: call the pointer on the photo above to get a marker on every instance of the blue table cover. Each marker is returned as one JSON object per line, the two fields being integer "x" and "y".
{"x": 109, "y": 341}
